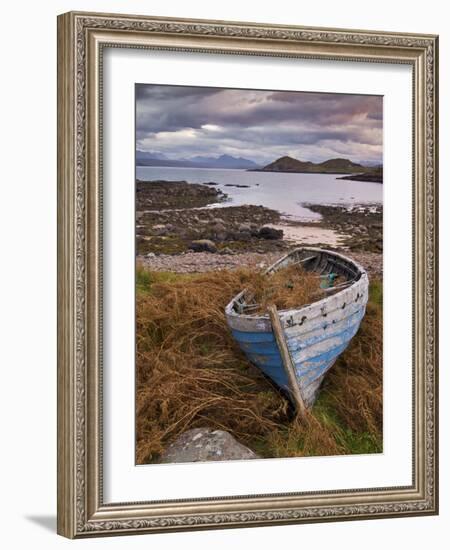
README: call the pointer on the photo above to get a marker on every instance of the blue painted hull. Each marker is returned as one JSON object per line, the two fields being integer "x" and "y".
{"x": 262, "y": 350}
{"x": 315, "y": 334}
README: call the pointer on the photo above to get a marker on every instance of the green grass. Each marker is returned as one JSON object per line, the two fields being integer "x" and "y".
{"x": 349, "y": 441}
{"x": 145, "y": 279}
{"x": 171, "y": 244}
{"x": 376, "y": 293}
{"x": 354, "y": 442}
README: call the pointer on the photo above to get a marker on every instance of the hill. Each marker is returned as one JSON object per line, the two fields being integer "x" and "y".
{"x": 331, "y": 166}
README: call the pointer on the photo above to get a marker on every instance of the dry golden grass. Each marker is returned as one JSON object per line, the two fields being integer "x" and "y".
{"x": 355, "y": 386}
{"x": 191, "y": 373}
{"x": 287, "y": 288}
{"x": 348, "y": 415}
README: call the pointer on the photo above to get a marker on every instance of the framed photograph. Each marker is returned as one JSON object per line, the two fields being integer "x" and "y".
{"x": 247, "y": 287}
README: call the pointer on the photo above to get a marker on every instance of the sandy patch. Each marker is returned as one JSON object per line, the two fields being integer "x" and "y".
{"x": 309, "y": 234}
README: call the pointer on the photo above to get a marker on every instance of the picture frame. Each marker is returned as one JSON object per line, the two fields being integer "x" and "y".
{"x": 82, "y": 40}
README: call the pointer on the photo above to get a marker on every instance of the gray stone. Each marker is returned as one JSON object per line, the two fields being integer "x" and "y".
{"x": 221, "y": 235}
{"x": 243, "y": 236}
{"x": 160, "y": 229}
{"x": 244, "y": 227}
{"x": 219, "y": 227}
{"x": 203, "y": 245}
{"x": 204, "y": 445}
{"x": 270, "y": 233}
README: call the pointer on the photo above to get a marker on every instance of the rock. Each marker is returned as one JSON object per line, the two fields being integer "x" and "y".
{"x": 270, "y": 233}
{"x": 150, "y": 255}
{"x": 219, "y": 226}
{"x": 244, "y": 227}
{"x": 206, "y": 444}
{"x": 243, "y": 236}
{"x": 160, "y": 229}
{"x": 203, "y": 245}
{"x": 217, "y": 221}
{"x": 221, "y": 235}
{"x": 236, "y": 185}
{"x": 227, "y": 250}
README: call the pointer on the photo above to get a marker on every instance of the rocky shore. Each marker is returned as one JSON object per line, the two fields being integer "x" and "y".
{"x": 162, "y": 195}
{"x": 361, "y": 226}
{"x": 375, "y": 175}
{"x": 171, "y": 218}
{"x": 185, "y": 227}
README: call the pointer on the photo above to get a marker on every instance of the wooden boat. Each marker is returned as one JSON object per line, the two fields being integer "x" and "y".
{"x": 310, "y": 338}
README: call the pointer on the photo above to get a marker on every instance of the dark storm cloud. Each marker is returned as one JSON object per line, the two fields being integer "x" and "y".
{"x": 183, "y": 121}
{"x": 160, "y": 92}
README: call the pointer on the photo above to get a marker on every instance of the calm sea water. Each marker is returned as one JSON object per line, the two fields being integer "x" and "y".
{"x": 283, "y": 192}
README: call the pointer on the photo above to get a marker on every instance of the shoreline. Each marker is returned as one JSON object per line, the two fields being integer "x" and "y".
{"x": 204, "y": 262}
{"x": 185, "y": 221}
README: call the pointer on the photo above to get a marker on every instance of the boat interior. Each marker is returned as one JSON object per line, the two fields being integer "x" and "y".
{"x": 334, "y": 271}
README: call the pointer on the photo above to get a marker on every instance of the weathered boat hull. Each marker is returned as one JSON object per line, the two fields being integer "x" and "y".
{"x": 315, "y": 334}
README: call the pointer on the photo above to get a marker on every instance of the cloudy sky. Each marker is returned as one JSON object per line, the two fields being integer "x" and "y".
{"x": 182, "y": 122}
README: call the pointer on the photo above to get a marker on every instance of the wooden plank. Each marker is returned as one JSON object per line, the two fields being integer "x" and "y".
{"x": 287, "y": 361}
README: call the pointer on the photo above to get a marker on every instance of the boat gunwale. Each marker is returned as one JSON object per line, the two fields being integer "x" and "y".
{"x": 362, "y": 280}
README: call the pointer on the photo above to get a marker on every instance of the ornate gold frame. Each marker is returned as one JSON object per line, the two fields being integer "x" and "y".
{"x": 81, "y": 37}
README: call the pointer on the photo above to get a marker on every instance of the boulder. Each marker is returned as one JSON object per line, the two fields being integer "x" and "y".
{"x": 254, "y": 230}
{"x": 270, "y": 233}
{"x": 219, "y": 231}
{"x": 221, "y": 235}
{"x": 244, "y": 227}
{"x": 227, "y": 250}
{"x": 243, "y": 236}
{"x": 160, "y": 229}
{"x": 204, "y": 445}
{"x": 219, "y": 226}
{"x": 203, "y": 245}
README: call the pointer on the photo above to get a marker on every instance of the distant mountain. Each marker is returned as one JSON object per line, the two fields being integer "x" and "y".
{"x": 142, "y": 156}
{"x": 166, "y": 162}
{"x": 224, "y": 161}
{"x": 331, "y": 166}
